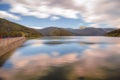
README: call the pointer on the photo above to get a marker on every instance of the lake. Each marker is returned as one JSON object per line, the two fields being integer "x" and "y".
{"x": 64, "y": 58}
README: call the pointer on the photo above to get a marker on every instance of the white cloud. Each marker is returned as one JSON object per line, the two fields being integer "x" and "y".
{"x": 101, "y": 11}
{"x": 36, "y": 27}
{"x": 94, "y": 25}
{"x": 41, "y": 9}
{"x": 97, "y": 11}
{"x": 4, "y": 14}
{"x": 54, "y": 18}
{"x": 105, "y": 11}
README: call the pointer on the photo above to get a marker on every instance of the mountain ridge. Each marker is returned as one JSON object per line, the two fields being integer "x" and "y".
{"x": 114, "y": 33}
{"x": 55, "y": 31}
{"x": 11, "y": 29}
{"x": 89, "y": 31}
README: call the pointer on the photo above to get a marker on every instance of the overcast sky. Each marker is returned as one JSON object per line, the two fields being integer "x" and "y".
{"x": 62, "y": 13}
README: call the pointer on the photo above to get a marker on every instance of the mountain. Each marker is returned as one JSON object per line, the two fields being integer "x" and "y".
{"x": 11, "y": 29}
{"x": 90, "y": 31}
{"x": 115, "y": 33}
{"x": 54, "y": 31}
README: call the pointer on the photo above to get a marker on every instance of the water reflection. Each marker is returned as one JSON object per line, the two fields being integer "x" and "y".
{"x": 71, "y": 58}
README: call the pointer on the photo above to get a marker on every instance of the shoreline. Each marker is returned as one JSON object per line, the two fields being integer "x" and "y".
{"x": 9, "y": 44}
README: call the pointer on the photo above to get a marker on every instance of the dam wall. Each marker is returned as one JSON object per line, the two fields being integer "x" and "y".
{"x": 9, "y": 44}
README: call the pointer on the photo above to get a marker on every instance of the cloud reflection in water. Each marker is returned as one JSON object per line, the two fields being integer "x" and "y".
{"x": 88, "y": 61}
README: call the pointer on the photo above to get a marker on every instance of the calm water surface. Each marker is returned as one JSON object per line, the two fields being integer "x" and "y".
{"x": 64, "y": 58}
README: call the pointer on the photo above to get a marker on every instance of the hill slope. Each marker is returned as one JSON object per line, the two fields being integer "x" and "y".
{"x": 90, "y": 31}
{"x": 115, "y": 33}
{"x": 54, "y": 31}
{"x": 11, "y": 29}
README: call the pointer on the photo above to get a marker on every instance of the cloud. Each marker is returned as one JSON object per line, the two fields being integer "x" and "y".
{"x": 97, "y": 11}
{"x": 94, "y": 25}
{"x": 105, "y": 11}
{"x": 36, "y": 27}
{"x": 4, "y": 14}
{"x": 42, "y": 9}
{"x": 54, "y": 18}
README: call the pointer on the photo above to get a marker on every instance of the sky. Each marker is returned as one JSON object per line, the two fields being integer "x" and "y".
{"x": 62, "y": 13}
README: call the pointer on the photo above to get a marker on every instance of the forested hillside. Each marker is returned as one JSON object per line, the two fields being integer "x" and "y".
{"x": 88, "y": 31}
{"x": 54, "y": 31}
{"x": 11, "y": 29}
{"x": 115, "y": 33}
